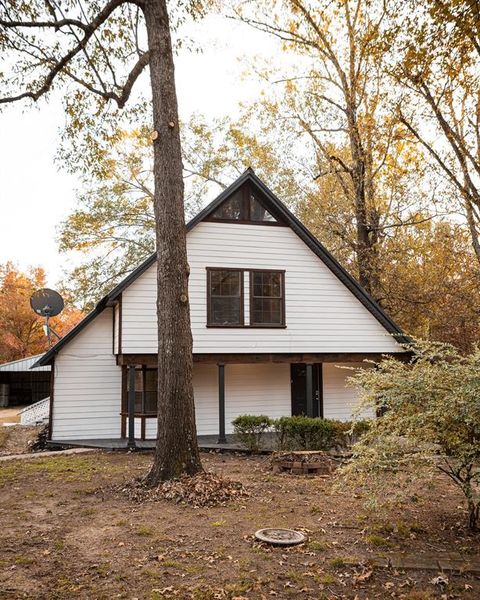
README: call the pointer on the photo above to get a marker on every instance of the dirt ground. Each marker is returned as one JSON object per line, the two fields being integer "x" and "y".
{"x": 15, "y": 439}
{"x": 10, "y": 414}
{"x": 66, "y": 534}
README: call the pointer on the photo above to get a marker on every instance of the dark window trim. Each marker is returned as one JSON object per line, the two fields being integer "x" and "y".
{"x": 140, "y": 413}
{"x": 268, "y": 325}
{"x": 124, "y": 408}
{"x": 247, "y": 191}
{"x": 244, "y": 270}
{"x": 242, "y": 298}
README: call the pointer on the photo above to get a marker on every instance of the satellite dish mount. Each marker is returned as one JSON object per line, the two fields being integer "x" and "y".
{"x": 47, "y": 303}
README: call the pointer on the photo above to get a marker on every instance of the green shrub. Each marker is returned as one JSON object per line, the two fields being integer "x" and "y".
{"x": 304, "y": 433}
{"x": 298, "y": 432}
{"x": 250, "y": 428}
{"x": 348, "y": 432}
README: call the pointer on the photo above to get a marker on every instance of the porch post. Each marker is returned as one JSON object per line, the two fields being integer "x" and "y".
{"x": 309, "y": 390}
{"x": 221, "y": 404}
{"x": 131, "y": 407}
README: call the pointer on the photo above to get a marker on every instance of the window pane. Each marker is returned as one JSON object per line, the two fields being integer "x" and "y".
{"x": 151, "y": 402}
{"x": 267, "y": 298}
{"x": 258, "y": 213}
{"x": 267, "y": 284}
{"x": 267, "y": 311}
{"x": 225, "y": 311}
{"x": 138, "y": 402}
{"x": 145, "y": 401}
{"x": 225, "y": 283}
{"x": 226, "y": 297}
{"x": 233, "y": 208}
{"x": 138, "y": 380}
{"x": 151, "y": 380}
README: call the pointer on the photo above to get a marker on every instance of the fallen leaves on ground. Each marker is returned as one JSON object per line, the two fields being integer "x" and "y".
{"x": 202, "y": 489}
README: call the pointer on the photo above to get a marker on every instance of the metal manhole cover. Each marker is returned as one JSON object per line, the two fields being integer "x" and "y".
{"x": 280, "y": 537}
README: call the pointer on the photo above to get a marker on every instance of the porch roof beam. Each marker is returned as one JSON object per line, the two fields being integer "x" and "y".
{"x": 246, "y": 358}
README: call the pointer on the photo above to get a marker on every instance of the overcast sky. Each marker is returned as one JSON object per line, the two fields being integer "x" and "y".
{"x": 35, "y": 195}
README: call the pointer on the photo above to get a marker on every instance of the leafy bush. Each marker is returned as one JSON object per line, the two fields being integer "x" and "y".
{"x": 430, "y": 422}
{"x": 349, "y": 432}
{"x": 305, "y": 433}
{"x": 298, "y": 432}
{"x": 250, "y": 428}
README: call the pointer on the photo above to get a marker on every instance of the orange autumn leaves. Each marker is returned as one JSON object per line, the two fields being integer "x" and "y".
{"x": 21, "y": 330}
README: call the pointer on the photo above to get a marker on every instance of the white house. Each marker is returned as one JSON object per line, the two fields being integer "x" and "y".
{"x": 273, "y": 315}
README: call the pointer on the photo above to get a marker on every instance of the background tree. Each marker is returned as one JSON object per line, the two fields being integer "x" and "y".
{"x": 431, "y": 421}
{"x": 113, "y": 225}
{"x": 428, "y": 277}
{"x": 338, "y": 98}
{"x": 437, "y": 51}
{"x": 431, "y": 284}
{"x": 21, "y": 330}
{"x": 99, "y": 50}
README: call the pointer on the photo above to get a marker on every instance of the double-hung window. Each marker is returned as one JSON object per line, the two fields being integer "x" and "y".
{"x": 225, "y": 298}
{"x": 267, "y": 298}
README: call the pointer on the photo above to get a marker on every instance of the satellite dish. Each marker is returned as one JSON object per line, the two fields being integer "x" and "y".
{"x": 46, "y": 303}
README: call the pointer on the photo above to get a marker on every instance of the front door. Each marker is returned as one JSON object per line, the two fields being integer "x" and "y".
{"x": 299, "y": 389}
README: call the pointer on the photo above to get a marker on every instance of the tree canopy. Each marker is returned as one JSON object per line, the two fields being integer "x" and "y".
{"x": 21, "y": 330}
{"x": 95, "y": 53}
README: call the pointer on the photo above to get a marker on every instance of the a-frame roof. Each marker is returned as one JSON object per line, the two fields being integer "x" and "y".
{"x": 279, "y": 210}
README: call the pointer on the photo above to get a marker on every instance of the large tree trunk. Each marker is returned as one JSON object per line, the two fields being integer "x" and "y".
{"x": 366, "y": 252}
{"x": 177, "y": 448}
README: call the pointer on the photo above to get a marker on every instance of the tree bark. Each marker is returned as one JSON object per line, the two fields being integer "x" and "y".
{"x": 176, "y": 450}
{"x": 366, "y": 253}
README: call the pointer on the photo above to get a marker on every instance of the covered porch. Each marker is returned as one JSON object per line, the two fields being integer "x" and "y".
{"x": 287, "y": 384}
{"x": 205, "y": 442}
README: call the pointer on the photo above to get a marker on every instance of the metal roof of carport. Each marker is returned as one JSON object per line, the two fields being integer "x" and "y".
{"x": 23, "y": 364}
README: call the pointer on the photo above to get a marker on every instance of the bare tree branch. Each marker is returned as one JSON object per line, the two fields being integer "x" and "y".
{"x": 60, "y": 65}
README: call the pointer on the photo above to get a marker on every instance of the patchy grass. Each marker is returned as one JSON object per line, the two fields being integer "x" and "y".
{"x": 373, "y": 539}
{"x": 67, "y": 535}
{"x": 338, "y": 562}
{"x": 145, "y": 530}
{"x": 326, "y": 579}
{"x": 65, "y": 467}
{"x": 316, "y": 546}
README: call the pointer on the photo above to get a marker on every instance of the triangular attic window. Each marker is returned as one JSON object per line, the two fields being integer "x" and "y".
{"x": 243, "y": 206}
{"x": 232, "y": 209}
{"x": 258, "y": 212}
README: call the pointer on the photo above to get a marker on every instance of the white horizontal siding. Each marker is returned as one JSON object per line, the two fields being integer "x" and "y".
{"x": 262, "y": 389}
{"x": 87, "y": 385}
{"x": 339, "y": 399}
{"x": 249, "y": 389}
{"x": 322, "y": 315}
{"x": 150, "y": 429}
{"x": 205, "y": 393}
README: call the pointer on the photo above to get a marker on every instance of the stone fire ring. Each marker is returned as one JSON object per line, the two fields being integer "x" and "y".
{"x": 280, "y": 537}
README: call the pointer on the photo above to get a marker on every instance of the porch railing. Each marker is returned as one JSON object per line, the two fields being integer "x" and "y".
{"x": 36, "y": 413}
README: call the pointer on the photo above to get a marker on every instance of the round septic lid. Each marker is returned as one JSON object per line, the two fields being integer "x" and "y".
{"x": 280, "y": 537}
